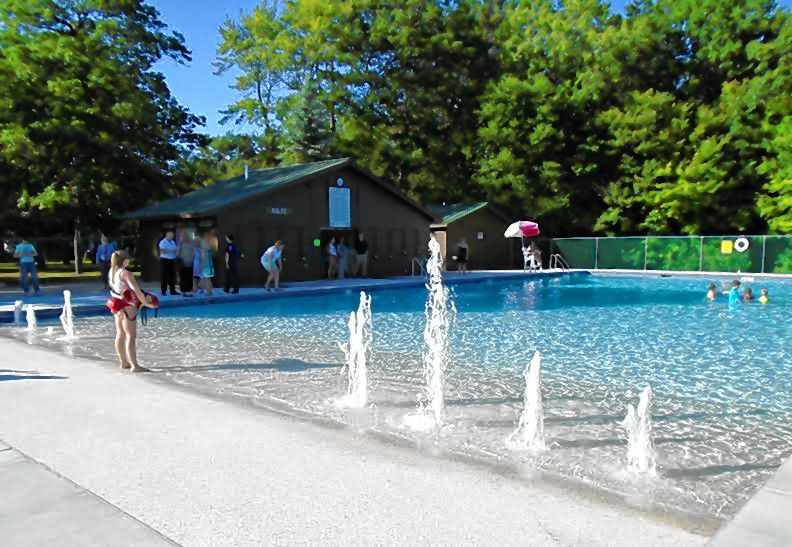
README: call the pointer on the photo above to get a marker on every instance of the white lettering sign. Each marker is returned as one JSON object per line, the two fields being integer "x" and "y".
{"x": 278, "y": 210}
{"x": 340, "y": 210}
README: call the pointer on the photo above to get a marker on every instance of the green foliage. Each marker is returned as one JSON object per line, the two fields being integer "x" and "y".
{"x": 223, "y": 157}
{"x": 87, "y": 127}
{"x": 307, "y": 135}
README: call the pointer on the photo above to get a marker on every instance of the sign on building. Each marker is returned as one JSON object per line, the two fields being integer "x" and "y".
{"x": 340, "y": 210}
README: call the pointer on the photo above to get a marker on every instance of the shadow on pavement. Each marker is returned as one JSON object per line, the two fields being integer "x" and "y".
{"x": 7, "y": 375}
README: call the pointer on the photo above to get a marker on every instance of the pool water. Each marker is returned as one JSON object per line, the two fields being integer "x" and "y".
{"x": 722, "y": 377}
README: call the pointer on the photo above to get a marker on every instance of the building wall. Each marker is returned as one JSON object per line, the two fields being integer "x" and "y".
{"x": 299, "y": 214}
{"x": 493, "y": 252}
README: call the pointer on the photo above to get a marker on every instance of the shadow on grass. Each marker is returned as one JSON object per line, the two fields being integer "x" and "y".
{"x": 281, "y": 365}
{"x": 7, "y": 375}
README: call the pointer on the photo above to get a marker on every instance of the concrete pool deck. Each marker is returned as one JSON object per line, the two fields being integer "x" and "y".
{"x": 211, "y": 471}
{"x": 86, "y": 301}
{"x": 766, "y": 519}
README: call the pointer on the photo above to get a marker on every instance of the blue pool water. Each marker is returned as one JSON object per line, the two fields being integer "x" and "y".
{"x": 722, "y": 377}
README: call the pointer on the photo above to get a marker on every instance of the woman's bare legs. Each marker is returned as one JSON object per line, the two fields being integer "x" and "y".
{"x": 206, "y": 284}
{"x": 276, "y": 276}
{"x": 130, "y": 328}
{"x": 120, "y": 340}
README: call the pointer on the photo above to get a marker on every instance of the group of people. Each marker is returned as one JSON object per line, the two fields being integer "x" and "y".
{"x": 193, "y": 259}
{"x": 341, "y": 262}
{"x": 735, "y": 296}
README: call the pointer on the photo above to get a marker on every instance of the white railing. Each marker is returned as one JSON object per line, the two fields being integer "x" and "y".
{"x": 557, "y": 262}
{"x": 420, "y": 263}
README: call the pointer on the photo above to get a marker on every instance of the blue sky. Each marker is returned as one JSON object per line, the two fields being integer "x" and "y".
{"x": 195, "y": 85}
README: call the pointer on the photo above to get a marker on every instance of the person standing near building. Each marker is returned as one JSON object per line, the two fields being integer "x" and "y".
{"x": 196, "y": 268}
{"x": 361, "y": 264}
{"x": 167, "y": 252}
{"x": 207, "y": 267}
{"x": 463, "y": 255}
{"x": 332, "y": 258}
{"x": 186, "y": 254}
{"x": 232, "y": 255}
{"x": 26, "y": 253}
{"x": 104, "y": 252}
{"x": 272, "y": 262}
{"x": 343, "y": 258}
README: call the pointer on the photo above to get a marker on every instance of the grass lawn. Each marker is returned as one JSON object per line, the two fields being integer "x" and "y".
{"x": 61, "y": 273}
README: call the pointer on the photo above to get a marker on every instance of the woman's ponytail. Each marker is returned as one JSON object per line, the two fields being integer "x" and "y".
{"x": 117, "y": 260}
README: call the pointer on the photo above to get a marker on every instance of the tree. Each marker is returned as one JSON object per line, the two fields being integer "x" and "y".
{"x": 307, "y": 136}
{"x": 86, "y": 121}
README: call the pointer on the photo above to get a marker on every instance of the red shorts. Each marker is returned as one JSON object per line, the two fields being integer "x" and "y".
{"x": 115, "y": 304}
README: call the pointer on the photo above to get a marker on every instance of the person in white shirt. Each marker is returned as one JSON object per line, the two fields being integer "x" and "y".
{"x": 273, "y": 263}
{"x": 167, "y": 252}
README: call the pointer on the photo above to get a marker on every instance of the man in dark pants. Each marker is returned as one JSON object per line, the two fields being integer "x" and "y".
{"x": 186, "y": 256}
{"x": 232, "y": 265}
{"x": 167, "y": 250}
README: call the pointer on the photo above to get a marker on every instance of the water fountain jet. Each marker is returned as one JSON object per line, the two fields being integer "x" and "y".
{"x": 357, "y": 353}
{"x": 638, "y": 423}
{"x": 439, "y": 312}
{"x": 67, "y": 317}
{"x": 529, "y": 434}
{"x": 30, "y": 317}
{"x": 18, "y": 305}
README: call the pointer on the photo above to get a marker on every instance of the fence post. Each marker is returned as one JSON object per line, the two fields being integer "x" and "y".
{"x": 764, "y": 252}
{"x": 646, "y": 250}
{"x": 701, "y": 253}
{"x": 596, "y": 253}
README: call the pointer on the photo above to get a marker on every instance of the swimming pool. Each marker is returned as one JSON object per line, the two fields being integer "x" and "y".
{"x": 722, "y": 377}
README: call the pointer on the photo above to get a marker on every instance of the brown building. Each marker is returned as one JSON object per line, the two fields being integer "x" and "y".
{"x": 304, "y": 205}
{"x": 482, "y": 225}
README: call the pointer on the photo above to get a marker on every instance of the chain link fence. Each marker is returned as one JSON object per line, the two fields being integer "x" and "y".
{"x": 753, "y": 254}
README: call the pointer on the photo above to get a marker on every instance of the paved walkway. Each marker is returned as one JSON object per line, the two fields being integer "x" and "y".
{"x": 206, "y": 471}
{"x": 39, "y": 507}
{"x": 766, "y": 520}
{"x": 90, "y": 301}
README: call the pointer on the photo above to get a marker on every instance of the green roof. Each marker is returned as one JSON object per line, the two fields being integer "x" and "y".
{"x": 230, "y": 191}
{"x": 452, "y": 212}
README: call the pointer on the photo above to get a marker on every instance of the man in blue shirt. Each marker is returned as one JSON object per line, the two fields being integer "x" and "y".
{"x": 26, "y": 253}
{"x": 104, "y": 253}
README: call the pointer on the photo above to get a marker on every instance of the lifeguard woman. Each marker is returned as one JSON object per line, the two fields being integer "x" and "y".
{"x": 125, "y": 299}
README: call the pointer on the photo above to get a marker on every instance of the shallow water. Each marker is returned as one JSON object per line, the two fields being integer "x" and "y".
{"x": 722, "y": 378}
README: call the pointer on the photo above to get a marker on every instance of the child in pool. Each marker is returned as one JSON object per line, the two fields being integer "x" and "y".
{"x": 764, "y": 297}
{"x": 748, "y": 295}
{"x": 712, "y": 292}
{"x": 734, "y": 294}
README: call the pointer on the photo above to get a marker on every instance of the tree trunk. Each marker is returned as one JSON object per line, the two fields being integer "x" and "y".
{"x": 76, "y": 248}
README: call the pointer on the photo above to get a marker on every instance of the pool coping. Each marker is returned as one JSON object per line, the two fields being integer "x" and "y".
{"x": 83, "y": 305}
{"x": 765, "y": 519}
{"x": 692, "y": 273}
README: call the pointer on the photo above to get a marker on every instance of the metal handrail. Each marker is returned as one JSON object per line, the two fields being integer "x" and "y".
{"x": 557, "y": 262}
{"x": 421, "y": 263}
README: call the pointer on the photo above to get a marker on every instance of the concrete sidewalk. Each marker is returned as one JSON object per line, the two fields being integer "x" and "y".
{"x": 210, "y": 471}
{"x": 38, "y": 507}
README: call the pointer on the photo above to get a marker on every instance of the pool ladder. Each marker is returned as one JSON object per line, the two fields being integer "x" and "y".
{"x": 557, "y": 262}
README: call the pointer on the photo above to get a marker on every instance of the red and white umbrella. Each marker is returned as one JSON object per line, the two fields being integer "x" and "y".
{"x": 522, "y": 228}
